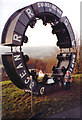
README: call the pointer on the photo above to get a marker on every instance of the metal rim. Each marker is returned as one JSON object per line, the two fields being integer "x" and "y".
{"x": 14, "y": 35}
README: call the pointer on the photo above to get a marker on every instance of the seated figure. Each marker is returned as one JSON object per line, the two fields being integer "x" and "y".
{"x": 57, "y": 73}
{"x": 34, "y": 74}
{"x": 63, "y": 69}
{"x": 45, "y": 78}
{"x": 53, "y": 69}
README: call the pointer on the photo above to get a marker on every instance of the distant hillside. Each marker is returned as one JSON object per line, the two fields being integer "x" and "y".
{"x": 0, "y": 60}
{"x": 3, "y": 50}
{"x": 40, "y": 52}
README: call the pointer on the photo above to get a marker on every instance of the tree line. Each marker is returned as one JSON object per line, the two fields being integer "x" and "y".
{"x": 45, "y": 64}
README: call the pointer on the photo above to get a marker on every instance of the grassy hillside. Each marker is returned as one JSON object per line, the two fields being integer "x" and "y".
{"x": 16, "y": 104}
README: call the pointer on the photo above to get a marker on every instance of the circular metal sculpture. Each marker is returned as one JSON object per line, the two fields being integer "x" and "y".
{"x": 14, "y": 35}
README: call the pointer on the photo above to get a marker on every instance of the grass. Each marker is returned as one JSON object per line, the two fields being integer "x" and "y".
{"x": 17, "y": 104}
{"x": 77, "y": 75}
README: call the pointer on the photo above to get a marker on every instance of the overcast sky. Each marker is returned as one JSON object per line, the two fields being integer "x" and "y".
{"x": 70, "y": 8}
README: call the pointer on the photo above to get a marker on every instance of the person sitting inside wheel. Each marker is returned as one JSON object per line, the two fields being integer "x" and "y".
{"x": 45, "y": 78}
{"x": 53, "y": 69}
{"x": 68, "y": 79}
{"x": 55, "y": 75}
{"x": 34, "y": 74}
{"x": 63, "y": 69}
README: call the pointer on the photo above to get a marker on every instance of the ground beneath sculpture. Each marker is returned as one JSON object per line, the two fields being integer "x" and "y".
{"x": 17, "y": 104}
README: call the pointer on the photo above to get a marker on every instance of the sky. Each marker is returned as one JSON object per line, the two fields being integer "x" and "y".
{"x": 70, "y": 8}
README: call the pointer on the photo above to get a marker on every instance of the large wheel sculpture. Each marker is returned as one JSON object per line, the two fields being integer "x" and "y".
{"x": 14, "y": 35}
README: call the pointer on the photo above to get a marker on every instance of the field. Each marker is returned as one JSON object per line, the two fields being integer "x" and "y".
{"x": 16, "y": 104}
